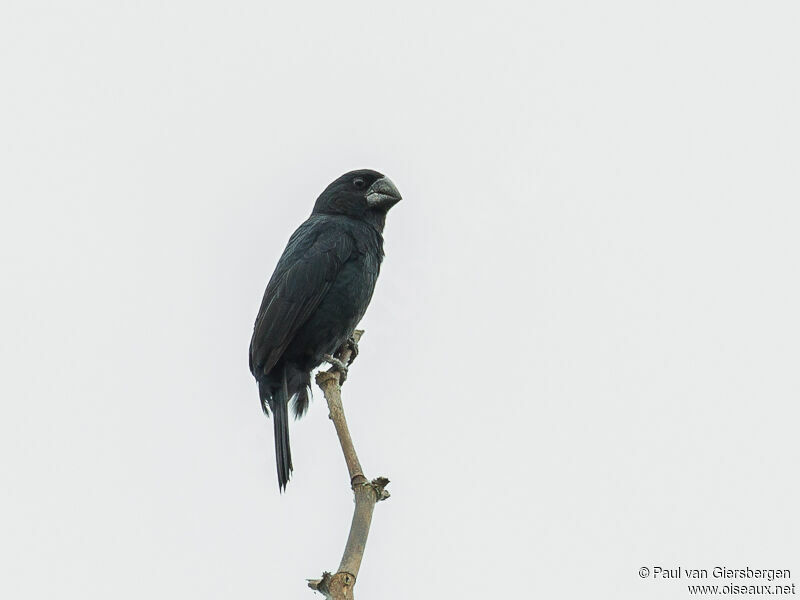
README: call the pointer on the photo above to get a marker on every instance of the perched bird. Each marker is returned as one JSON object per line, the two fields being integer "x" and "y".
{"x": 318, "y": 293}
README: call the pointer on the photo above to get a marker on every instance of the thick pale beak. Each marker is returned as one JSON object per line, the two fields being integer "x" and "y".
{"x": 383, "y": 194}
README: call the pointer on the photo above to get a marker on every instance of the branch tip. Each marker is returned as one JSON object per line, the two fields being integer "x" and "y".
{"x": 320, "y": 585}
{"x": 378, "y": 485}
{"x": 323, "y": 377}
{"x": 335, "y": 586}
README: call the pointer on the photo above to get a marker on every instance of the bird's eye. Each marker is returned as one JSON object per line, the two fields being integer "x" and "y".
{"x": 359, "y": 183}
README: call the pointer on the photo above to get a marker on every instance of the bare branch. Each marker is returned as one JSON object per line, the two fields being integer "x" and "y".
{"x": 340, "y": 585}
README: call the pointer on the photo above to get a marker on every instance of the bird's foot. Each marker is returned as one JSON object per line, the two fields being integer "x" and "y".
{"x": 352, "y": 345}
{"x": 338, "y": 365}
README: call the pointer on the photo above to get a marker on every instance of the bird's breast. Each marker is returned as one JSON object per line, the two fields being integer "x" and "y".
{"x": 340, "y": 309}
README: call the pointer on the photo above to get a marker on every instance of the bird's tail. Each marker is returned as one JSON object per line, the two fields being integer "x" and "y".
{"x": 280, "y": 419}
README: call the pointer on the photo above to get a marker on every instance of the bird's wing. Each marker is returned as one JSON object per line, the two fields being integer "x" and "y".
{"x": 309, "y": 265}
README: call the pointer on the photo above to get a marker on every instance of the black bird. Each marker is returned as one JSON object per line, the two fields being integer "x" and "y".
{"x": 318, "y": 293}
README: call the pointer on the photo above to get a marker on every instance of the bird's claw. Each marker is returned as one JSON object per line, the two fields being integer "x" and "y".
{"x": 337, "y": 365}
{"x": 352, "y": 345}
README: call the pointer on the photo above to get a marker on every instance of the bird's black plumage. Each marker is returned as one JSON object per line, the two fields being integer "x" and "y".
{"x": 318, "y": 293}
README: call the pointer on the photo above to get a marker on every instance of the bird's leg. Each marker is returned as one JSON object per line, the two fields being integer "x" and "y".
{"x": 338, "y": 365}
{"x": 352, "y": 345}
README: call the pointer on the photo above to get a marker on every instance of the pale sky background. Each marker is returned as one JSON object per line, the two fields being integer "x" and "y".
{"x": 582, "y": 354}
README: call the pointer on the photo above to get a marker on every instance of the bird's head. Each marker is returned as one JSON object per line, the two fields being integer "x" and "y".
{"x": 364, "y": 194}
